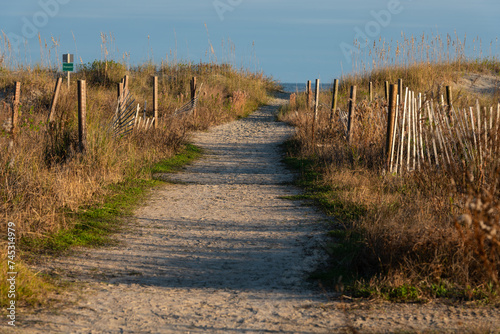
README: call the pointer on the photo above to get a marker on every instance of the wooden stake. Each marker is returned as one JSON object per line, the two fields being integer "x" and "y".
{"x": 396, "y": 119}
{"x": 316, "y": 103}
{"x": 352, "y": 104}
{"x": 334, "y": 99}
{"x": 126, "y": 80}
{"x": 400, "y": 91}
{"x": 403, "y": 133}
{"x": 57, "y": 89}
{"x": 370, "y": 91}
{"x": 120, "y": 91}
{"x": 414, "y": 126}
{"x": 419, "y": 119}
{"x": 408, "y": 151}
{"x": 17, "y": 102}
{"x": 82, "y": 116}
{"x": 137, "y": 119}
{"x": 449, "y": 97}
{"x": 390, "y": 124}
{"x": 397, "y": 131}
{"x": 478, "y": 109}
{"x": 193, "y": 93}
{"x": 155, "y": 100}
{"x": 439, "y": 127}
{"x": 15, "y": 115}
{"x": 473, "y": 131}
{"x": 434, "y": 131}
{"x": 387, "y": 92}
{"x": 309, "y": 94}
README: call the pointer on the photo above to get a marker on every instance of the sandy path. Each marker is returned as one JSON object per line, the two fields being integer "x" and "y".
{"x": 220, "y": 251}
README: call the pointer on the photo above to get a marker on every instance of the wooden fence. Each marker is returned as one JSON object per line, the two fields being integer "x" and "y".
{"x": 126, "y": 118}
{"x": 422, "y": 132}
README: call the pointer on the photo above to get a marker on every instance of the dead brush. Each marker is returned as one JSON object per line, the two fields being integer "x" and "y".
{"x": 479, "y": 227}
{"x": 48, "y": 176}
{"x": 408, "y": 235}
{"x": 237, "y": 102}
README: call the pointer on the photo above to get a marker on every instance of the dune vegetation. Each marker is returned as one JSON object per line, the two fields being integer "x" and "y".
{"x": 424, "y": 232}
{"x": 58, "y": 197}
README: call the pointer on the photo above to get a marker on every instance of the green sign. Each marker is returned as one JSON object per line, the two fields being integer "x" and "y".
{"x": 67, "y": 67}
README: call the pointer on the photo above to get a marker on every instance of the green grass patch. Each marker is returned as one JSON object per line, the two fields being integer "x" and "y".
{"x": 423, "y": 292}
{"x": 32, "y": 289}
{"x": 175, "y": 164}
{"x": 92, "y": 226}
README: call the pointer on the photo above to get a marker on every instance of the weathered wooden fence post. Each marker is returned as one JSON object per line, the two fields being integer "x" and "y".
{"x": 309, "y": 94}
{"x": 126, "y": 80}
{"x": 121, "y": 95}
{"x": 155, "y": 100}
{"x": 386, "y": 85}
{"x": 193, "y": 95}
{"x": 370, "y": 91}
{"x": 15, "y": 116}
{"x": 82, "y": 116}
{"x": 334, "y": 99}
{"x": 17, "y": 102}
{"x": 449, "y": 98}
{"x": 53, "y": 105}
{"x": 315, "y": 116}
{"x": 119, "y": 92}
{"x": 400, "y": 92}
{"x": 352, "y": 104}
{"x": 390, "y": 124}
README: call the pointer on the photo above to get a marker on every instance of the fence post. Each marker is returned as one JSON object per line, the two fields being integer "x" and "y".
{"x": 334, "y": 99}
{"x": 193, "y": 94}
{"x": 126, "y": 80}
{"x": 370, "y": 91}
{"x": 119, "y": 91}
{"x": 57, "y": 89}
{"x": 309, "y": 94}
{"x": 400, "y": 91}
{"x": 387, "y": 91}
{"x": 155, "y": 100}
{"x": 449, "y": 98}
{"x": 390, "y": 124}
{"x": 82, "y": 116}
{"x": 15, "y": 115}
{"x": 121, "y": 96}
{"x": 352, "y": 104}
{"x": 316, "y": 103}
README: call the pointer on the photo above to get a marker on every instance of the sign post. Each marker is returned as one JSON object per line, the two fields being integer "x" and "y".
{"x": 68, "y": 64}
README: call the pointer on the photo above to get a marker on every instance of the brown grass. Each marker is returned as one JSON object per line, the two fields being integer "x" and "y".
{"x": 424, "y": 229}
{"x": 44, "y": 173}
{"x": 44, "y": 178}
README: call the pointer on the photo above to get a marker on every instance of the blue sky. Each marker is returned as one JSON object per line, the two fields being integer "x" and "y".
{"x": 292, "y": 40}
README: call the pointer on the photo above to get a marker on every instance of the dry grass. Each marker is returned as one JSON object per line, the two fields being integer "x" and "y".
{"x": 434, "y": 230}
{"x": 44, "y": 173}
{"x": 43, "y": 179}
